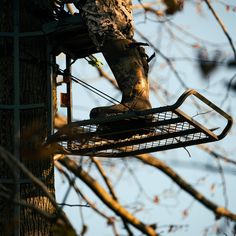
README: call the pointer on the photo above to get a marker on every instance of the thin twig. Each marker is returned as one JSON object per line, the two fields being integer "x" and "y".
{"x": 104, "y": 176}
{"x": 219, "y": 211}
{"x": 111, "y": 189}
{"x": 215, "y": 154}
{"x": 86, "y": 199}
{"x": 230, "y": 84}
{"x": 221, "y": 171}
{"x": 73, "y": 205}
{"x": 169, "y": 62}
{"x": 106, "y": 198}
{"x": 222, "y": 26}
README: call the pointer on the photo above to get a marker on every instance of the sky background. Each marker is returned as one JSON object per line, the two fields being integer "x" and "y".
{"x": 174, "y": 205}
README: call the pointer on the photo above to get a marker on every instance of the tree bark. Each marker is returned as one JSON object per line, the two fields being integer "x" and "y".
{"x": 24, "y": 103}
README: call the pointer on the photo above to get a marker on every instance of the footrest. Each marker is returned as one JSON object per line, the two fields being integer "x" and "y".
{"x": 139, "y": 132}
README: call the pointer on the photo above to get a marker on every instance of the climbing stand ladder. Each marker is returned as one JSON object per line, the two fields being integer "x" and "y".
{"x": 138, "y": 132}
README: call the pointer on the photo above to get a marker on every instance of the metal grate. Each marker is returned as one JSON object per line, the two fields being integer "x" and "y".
{"x": 119, "y": 136}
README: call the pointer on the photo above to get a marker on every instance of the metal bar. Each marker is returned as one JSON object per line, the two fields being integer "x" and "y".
{"x": 152, "y": 149}
{"x": 115, "y": 132}
{"x": 50, "y": 118}
{"x": 16, "y": 22}
{"x": 13, "y": 181}
{"x": 69, "y": 93}
{"x": 119, "y": 117}
{"x": 22, "y": 34}
{"x": 152, "y": 138}
{"x": 196, "y": 124}
{"x": 218, "y": 110}
{"x": 19, "y": 181}
{"x": 21, "y": 106}
{"x": 193, "y": 92}
{"x": 69, "y": 89}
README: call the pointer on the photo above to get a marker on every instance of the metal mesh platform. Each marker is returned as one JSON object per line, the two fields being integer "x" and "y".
{"x": 161, "y": 129}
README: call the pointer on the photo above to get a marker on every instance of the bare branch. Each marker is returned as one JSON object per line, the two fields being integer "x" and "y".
{"x": 222, "y": 26}
{"x": 147, "y": 7}
{"x": 169, "y": 62}
{"x": 86, "y": 199}
{"x": 215, "y": 154}
{"x": 221, "y": 172}
{"x": 105, "y": 177}
{"x": 110, "y": 187}
{"x": 216, "y": 209}
{"x": 106, "y": 198}
{"x": 105, "y": 75}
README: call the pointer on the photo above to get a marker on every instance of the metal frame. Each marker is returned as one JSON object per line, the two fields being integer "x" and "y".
{"x": 16, "y": 110}
{"x": 173, "y": 129}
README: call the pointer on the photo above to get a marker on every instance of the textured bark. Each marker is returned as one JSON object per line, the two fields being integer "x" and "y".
{"x": 33, "y": 66}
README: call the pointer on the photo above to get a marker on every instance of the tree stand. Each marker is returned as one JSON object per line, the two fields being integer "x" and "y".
{"x": 138, "y": 132}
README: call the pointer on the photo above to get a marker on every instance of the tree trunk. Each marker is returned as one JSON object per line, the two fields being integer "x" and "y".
{"x": 24, "y": 112}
